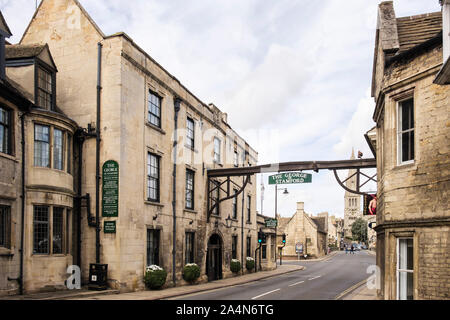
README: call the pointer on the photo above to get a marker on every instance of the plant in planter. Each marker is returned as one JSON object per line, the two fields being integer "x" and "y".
{"x": 235, "y": 265}
{"x": 155, "y": 277}
{"x": 191, "y": 272}
{"x": 250, "y": 263}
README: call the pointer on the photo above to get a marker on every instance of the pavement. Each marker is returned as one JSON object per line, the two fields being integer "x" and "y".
{"x": 85, "y": 294}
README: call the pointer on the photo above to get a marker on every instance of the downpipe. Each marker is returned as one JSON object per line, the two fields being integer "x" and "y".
{"x": 97, "y": 157}
{"x": 174, "y": 193}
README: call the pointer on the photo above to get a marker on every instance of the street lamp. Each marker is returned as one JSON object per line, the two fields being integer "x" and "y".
{"x": 276, "y": 210}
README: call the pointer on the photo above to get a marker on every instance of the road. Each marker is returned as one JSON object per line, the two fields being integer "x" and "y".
{"x": 320, "y": 280}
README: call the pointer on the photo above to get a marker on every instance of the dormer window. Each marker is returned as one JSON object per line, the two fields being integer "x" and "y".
{"x": 45, "y": 86}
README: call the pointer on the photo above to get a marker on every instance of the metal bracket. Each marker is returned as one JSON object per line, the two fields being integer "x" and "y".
{"x": 213, "y": 203}
{"x": 358, "y": 174}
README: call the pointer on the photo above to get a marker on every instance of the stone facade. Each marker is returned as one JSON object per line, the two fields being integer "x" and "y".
{"x": 267, "y": 254}
{"x": 301, "y": 228}
{"x": 412, "y": 204}
{"x": 352, "y": 203}
{"x": 45, "y": 161}
{"x": 129, "y": 78}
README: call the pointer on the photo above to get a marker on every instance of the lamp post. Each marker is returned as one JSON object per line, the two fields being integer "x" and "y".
{"x": 276, "y": 211}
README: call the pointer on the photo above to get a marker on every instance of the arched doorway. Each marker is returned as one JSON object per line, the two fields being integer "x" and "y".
{"x": 214, "y": 258}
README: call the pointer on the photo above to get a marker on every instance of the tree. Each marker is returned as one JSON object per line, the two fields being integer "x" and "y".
{"x": 359, "y": 230}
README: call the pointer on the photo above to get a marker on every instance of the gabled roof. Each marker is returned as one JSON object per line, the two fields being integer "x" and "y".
{"x": 4, "y": 27}
{"x": 320, "y": 223}
{"x": 417, "y": 29}
{"x": 19, "y": 51}
{"x": 29, "y": 51}
{"x": 100, "y": 32}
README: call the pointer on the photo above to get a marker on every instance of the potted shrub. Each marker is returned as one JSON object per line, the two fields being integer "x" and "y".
{"x": 235, "y": 265}
{"x": 250, "y": 263}
{"x": 191, "y": 272}
{"x": 155, "y": 277}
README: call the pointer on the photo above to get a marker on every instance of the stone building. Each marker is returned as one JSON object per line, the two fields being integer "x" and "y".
{"x": 352, "y": 203}
{"x": 353, "y": 210}
{"x": 303, "y": 230}
{"x": 137, "y": 192}
{"x": 334, "y": 236}
{"x": 412, "y": 151}
{"x": 268, "y": 251}
{"x": 37, "y": 173}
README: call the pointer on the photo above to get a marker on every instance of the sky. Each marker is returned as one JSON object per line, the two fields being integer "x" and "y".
{"x": 294, "y": 77}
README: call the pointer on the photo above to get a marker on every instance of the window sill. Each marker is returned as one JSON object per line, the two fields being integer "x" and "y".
{"x": 5, "y": 252}
{"x": 215, "y": 216}
{"x": 9, "y": 157}
{"x": 218, "y": 163}
{"x": 150, "y": 125}
{"x": 153, "y": 203}
{"x": 406, "y": 165}
{"x": 190, "y": 148}
{"x": 190, "y": 210}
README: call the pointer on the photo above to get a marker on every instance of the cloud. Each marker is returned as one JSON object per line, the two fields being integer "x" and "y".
{"x": 361, "y": 122}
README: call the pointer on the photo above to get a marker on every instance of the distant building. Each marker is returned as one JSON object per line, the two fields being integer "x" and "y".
{"x": 353, "y": 210}
{"x": 410, "y": 88}
{"x": 267, "y": 255}
{"x": 305, "y": 232}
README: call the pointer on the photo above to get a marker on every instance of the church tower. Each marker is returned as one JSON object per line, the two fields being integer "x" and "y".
{"x": 352, "y": 208}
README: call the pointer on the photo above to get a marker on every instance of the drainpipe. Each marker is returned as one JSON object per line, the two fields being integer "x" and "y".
{"x": 80, "y": 139}
{"x": 22, "y": 235}
{"x": 97, "y": 157}
{"x": 174, "y": 186}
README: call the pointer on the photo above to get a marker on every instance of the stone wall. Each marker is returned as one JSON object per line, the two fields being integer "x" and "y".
{"x": 412, "y": 198}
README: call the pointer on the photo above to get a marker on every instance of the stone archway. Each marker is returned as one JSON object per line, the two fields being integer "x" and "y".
{"x": 214, "y": 258}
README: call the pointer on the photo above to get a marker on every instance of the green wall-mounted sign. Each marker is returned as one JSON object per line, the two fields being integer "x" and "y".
{"x": 271, "y": 223}
{"x": 110, "y": 189}
{"x": 109, "y": 227}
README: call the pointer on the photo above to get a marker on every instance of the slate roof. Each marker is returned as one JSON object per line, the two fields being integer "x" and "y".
{"x": 282, "y": 223}
{"x": 20, "y": 51}
{"x": 4, "y": 26}
{"x": 417, "y": 29}
{"x": 320, "y": 223}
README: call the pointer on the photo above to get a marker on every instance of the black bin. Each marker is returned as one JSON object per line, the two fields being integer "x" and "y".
{"x": 98, "y": 275}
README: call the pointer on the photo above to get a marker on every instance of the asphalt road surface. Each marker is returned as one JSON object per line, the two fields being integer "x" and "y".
{"x": 320, "y": 280}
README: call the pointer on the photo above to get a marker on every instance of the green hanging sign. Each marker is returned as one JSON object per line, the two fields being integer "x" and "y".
{"x": 110, "y": 189}
{"x": 290, "y": 178}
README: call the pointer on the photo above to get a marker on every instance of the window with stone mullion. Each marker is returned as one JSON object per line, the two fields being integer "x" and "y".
{"x": 189, "y": 189}
{"x": 42, "y": 146}
{"x": 154, "y": 109}
{"x": 41, "y": 232}
{"x": 153, "y": 177}
{"x": 5, "y": 131}
{"x": 4, "y": 226}
{"x": 45, "y": 87}
{"x": 58, "y": 149}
